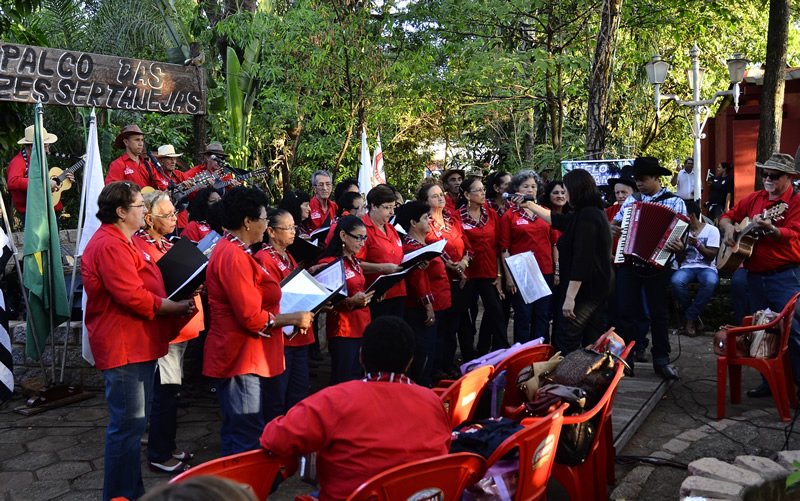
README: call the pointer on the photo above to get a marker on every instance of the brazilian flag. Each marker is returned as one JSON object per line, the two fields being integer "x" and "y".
{"x": 43, "y": 274}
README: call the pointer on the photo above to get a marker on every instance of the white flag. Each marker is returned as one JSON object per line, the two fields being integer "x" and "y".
{"x": 92, "y": 186}
{"x": 378, "y": 175}
{"x": 365, "y": 169}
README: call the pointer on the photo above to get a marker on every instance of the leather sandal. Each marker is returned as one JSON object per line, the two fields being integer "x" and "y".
{"x": 178, "y": 467}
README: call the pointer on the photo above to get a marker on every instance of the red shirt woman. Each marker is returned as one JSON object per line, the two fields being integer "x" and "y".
{"x": 244, "y": 343}
{"x": 522, "y": 231}
{"x": 346, "y": 323}
{"x": 383, "y": 250}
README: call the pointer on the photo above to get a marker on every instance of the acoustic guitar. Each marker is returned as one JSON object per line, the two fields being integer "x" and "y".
{"x": 60, "y": 177}
{"x": 746, "y": 234}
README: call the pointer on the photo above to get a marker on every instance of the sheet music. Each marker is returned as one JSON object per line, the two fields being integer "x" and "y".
{"x": 333, "y": 277}
{"x": 527, "y": 276}
{"x": 302, "y": 293}
{"x": 434, "y": 247}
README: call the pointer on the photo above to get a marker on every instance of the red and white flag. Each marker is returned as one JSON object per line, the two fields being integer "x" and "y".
{"x": 378, "y": 175}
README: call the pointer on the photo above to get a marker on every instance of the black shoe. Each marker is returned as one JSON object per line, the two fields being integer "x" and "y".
{"x": 760, "y": 391}
{"x": 667, "y": 371}
{"x": 640, "y": 355}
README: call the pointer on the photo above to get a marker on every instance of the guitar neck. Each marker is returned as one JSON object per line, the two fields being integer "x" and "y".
{"x": 70, "y": 170}
{"x": 241, "y": 177}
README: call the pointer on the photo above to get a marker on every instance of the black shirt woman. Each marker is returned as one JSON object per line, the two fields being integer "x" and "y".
{"x": 585, "y": 262}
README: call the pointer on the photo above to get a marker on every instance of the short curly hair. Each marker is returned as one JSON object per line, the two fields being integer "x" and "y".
{"x": 115, "y": 195}
{"x": 240, "y": 203}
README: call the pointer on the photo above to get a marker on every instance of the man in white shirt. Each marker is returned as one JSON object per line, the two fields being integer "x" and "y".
{"x": 685, "y": 180}
{"x": 698, "y": 264}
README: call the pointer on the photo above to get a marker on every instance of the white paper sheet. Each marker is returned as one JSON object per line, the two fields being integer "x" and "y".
{"x": 527, "y": 276}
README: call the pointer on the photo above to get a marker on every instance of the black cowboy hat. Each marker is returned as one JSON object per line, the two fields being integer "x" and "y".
{"x": 649, "y": 166}
{"x": 627, "y": 181}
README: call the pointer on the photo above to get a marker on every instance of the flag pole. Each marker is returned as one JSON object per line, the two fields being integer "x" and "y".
{"x": 18, "y": 266}
{"x": 75, "y": 259}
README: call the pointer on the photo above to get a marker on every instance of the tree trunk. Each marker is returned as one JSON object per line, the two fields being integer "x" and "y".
{"x": 600, "y": 80}
{"x": 199, "y": 137}
{"x": 771, "y": 120}
{"x": 530, "y": 139}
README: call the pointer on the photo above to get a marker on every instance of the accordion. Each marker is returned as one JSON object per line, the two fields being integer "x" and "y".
{"x": 646, "y": 229}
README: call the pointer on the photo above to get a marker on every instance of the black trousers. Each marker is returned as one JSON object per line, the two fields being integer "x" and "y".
{"x": 493, "y": 332}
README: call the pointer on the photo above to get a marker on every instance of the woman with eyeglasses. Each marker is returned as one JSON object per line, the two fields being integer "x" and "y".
{"x": 457, "y": 258}
{"x": 162, "y": 452}
{"x": 346, "y": 322}
{"x": 293, "y": 383}
{"x": 383, "y": 250}
{"x": 125, "y": 291}
{"x": 481, "y": 225}
{"x": 244, "y": 345}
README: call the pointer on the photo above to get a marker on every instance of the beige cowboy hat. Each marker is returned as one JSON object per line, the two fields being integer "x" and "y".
{"x": 46, "y": 136}
{"x": 780, "y": 162}
{"x": 215, "y": 148}
{"x": 167, "y": 150}
{"x": 128, "y": 130}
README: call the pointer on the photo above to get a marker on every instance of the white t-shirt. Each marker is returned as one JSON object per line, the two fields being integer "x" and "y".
{"x": 685, "y": 185}
{"x": 708, "y": 236}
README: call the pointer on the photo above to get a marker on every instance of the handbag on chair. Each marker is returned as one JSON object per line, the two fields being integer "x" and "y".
{"x": 531, "y": 378}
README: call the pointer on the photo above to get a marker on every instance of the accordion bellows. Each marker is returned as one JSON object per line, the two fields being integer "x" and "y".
{"x": 646, "y": 230}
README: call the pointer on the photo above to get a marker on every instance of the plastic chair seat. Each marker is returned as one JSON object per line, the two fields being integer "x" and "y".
{"x": 462, "y": 397}
{"x": 776, "y": 370}
{"x": 446, "y": 475}
{"x": 257, "y": 468}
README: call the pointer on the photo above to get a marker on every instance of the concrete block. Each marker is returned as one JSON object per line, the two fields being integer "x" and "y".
{"x": 675, "y": 446}
{"x": 786, "y": 458}
{"x": 711, "y": 488}
{"x": 692, "y": 435}
{"x": 663, "y": 455}
{"x": 720, "y": 470}
{"x": 767, "y": 468}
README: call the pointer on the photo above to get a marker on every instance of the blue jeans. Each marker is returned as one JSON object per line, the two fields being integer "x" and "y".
{"x": 532, "y": 321}
{"x": 773, "y": 292}
{"x": 740, "y": 302}
{"x": 707, "y": 280}
{"x": 293, "y": 384}
{"x": 345, "y": 365}
{"x": 242, "y": 400}
{"x": 129, "y": 392}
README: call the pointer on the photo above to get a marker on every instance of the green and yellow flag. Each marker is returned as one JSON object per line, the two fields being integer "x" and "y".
{"x": 43, "y": 274}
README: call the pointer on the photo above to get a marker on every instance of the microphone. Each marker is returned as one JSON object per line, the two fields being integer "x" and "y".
{"x": 527, "y": 198}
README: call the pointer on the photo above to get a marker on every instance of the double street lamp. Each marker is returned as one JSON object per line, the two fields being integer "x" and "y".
{"x": 657, "y": 73}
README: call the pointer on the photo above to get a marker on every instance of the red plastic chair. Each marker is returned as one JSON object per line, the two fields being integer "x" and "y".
{"x": 462, "y": 397}
{"x": 513, "y": 398}
{"x": 257, "y": 469}
{"x": 777, "y": 370}
{"x": 446, "y": 475}
{"x": 590, "y": 479}
{"x": 536, "y": 445}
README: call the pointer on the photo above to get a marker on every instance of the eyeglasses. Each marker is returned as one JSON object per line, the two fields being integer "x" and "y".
{"x": 166, "y": 216}
{"x": 360, "y": 238}
{"x": 387, "y": 207}
{"x": 136, "y": 206}
{"x": 772, "y": 175}
{"x": 293, "y": 229}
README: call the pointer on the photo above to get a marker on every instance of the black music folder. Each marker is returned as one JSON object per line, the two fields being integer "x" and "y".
{"x": 383, "y": 283}
{"x": 426, "y": 253}
{"x": 304, "y": 251}
{"x": 183, "y": 269}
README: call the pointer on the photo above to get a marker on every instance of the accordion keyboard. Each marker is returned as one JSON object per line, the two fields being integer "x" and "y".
{"x": 625, "y": 225}
{"x": 677, "y": 233}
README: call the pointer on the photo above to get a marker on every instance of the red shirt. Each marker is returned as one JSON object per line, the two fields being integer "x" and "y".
{"x": 482, "y": 238}
{"x": 611, "y": 213}
{"x": 124, "y": 168}
{"x": 186, "y": 328}
{"x": 769, "y": 253}
{"x": 520, "y": 232}
{"x": 495, "y": 207}
{"x": 124, "y": 290}
{"x": 344, "y": 322}
{"x": 281, "y": 267}
{"x": 196, "y": 230}
{"x": 450, "y": 204}
{"x": 241, "y": 295}
{"x": 319, "y": 216}
{"x": 380, "y": 248}
{"x": 428, "y": 286}
{"x": 361, "y": 429}
{"x": 456, "y": 247}
{"x": 18, "y": 183}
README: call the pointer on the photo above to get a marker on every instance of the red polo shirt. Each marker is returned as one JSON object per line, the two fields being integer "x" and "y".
{"x": 281, "y": 267}
{"x": 381, "y": 248}
{"x": 319, "y": 216}
{"x": 124, "y": 290}
{"x": 124, "y": 168}
{"x": 241, "y": 295}
{"x": 769, "y": 253}
{"x": 344, "y": 322}
{"x": 456, "y": 247}
{"x": 18, "y": 184}
{"x": 196, "y": 230}
{"x": 482, "y": 238}
{"x": 520, "y": 233}
{"x": 428, "y": 286}
{"x": 611, "y": 213}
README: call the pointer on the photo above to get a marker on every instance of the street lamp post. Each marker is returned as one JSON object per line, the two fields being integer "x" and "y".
{"x": 657, "y": 73}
